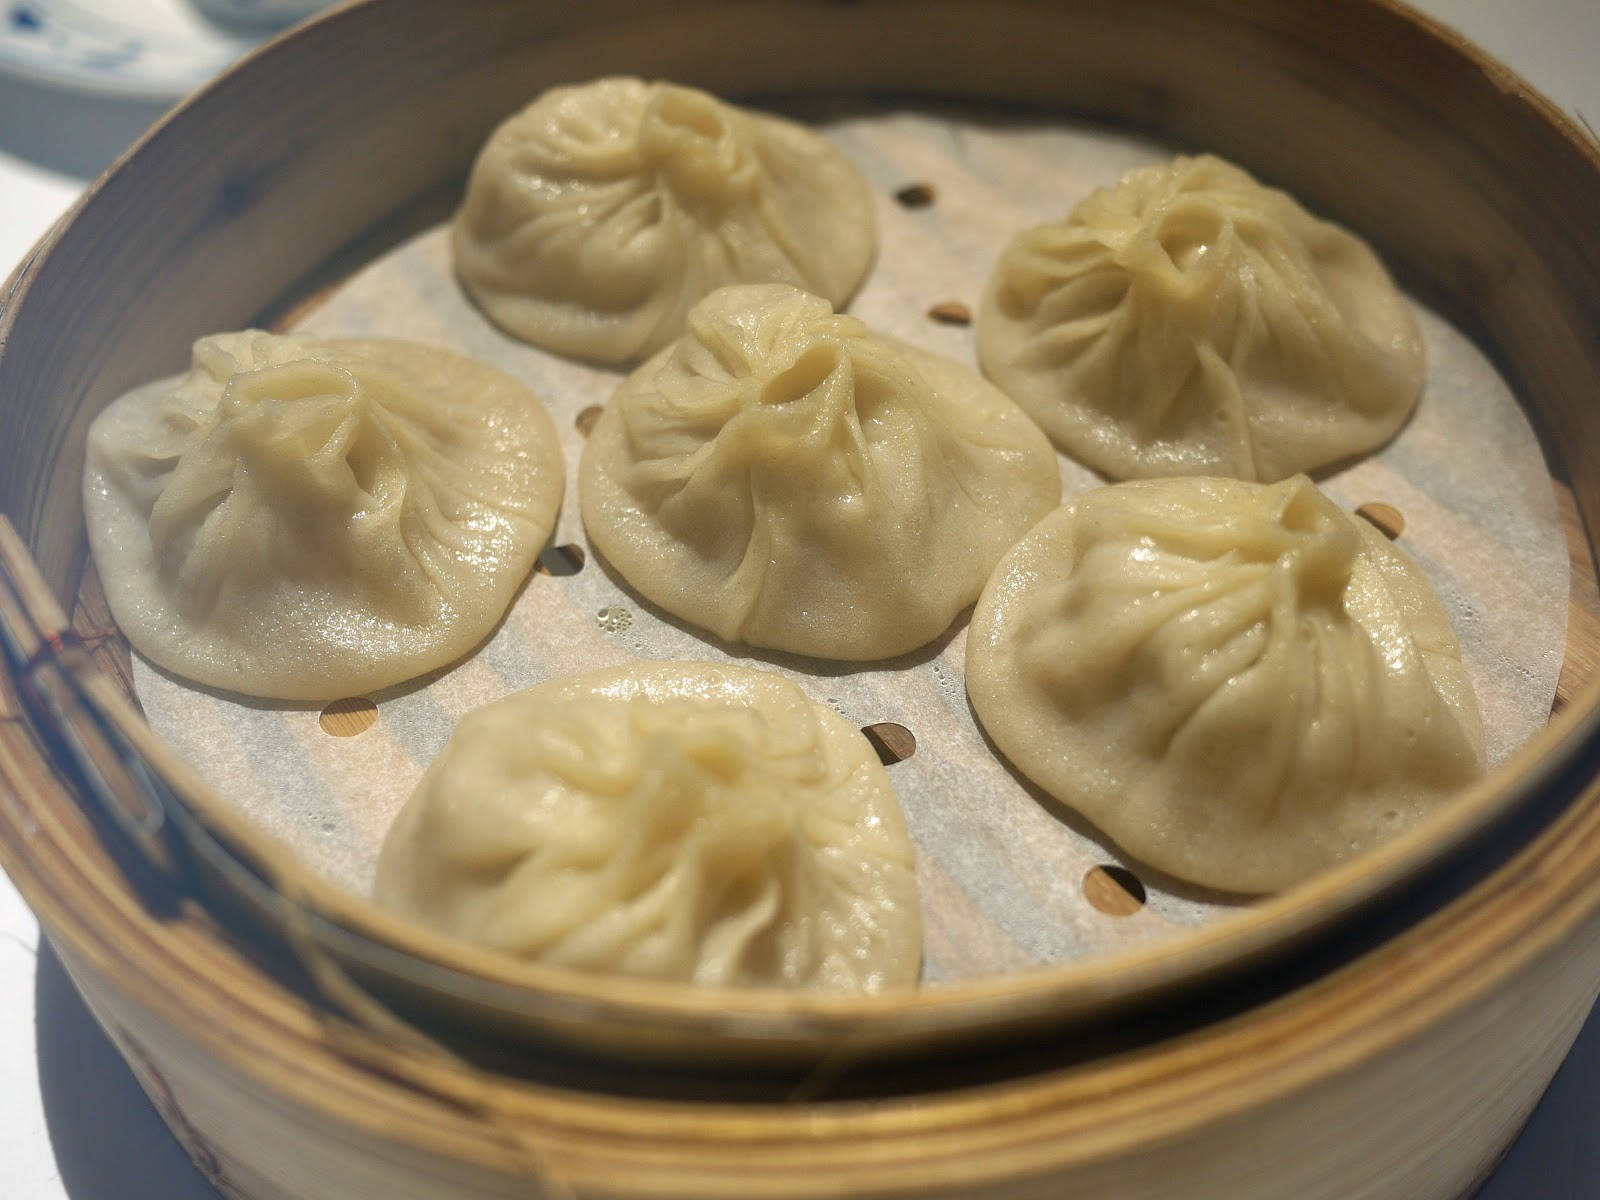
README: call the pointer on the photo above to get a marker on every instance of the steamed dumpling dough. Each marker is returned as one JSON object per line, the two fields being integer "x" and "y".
{"x": 784, "y": 477}
{"x": 1189, "y": 321}
{"x": 685, "y": 821}
{"x": 304, "y": 519}
{"x": 1238, "y": 682}
{"x": 597, "y": 216}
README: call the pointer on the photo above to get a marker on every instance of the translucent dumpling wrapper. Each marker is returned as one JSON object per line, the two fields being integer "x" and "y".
{"x": 1190, "y": 321}
{"x": 785, "y": 477}
{"x": 684, "y": 821}
{"x": 306, "y": 520}
{"x": 596, "y": 217}
{"x": 1240, "y": 683}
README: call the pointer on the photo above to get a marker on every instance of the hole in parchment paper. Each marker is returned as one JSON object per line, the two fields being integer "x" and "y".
{"x": 1386, "y": 517}
{"x": 560, "y": 560}
{"x": 1113, "y": 890}
{"x": 950, "y": 312}
{"x": 348, "y": 717}
{"x": 587, "y": 418}
{"x": 894, "y": 743}
{"x": 916, "y": 195}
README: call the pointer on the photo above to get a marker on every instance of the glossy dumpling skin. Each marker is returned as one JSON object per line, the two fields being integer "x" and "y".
{"x": 1190, "y": 321}
{"x": 303, "y": 519}
{"x": 1238, "y": 682}
{"x": 685, "y": 821}
{"x": 596, "y": 217}
{"x": 784, "y": 477}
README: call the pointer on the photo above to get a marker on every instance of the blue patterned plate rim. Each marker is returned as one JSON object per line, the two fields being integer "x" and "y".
{"x": 132, "y": 49}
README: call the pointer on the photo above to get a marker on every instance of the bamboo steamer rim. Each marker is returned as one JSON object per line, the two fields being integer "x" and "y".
{"x": 1058, "y": 1114}
{"x": 1042, "y": 996}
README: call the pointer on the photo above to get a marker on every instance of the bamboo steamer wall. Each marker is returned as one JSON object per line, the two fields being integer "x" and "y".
{"x": 1402, "y": 1076}
{"x": 1393, "y": 1056}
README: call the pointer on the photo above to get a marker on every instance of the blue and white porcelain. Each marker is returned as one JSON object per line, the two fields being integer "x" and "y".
{"x": 266, "y": 14}
{"x": 136, "y": 49}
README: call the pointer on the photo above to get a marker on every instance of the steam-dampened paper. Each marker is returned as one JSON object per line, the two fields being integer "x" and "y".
{"x": 1000, "y": 865}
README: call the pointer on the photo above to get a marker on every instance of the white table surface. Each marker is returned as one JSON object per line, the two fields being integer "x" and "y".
{"x": 75, "y": 1126}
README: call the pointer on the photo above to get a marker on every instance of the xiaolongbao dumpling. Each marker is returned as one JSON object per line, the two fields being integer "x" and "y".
{"x": 599, "y": 214}
{"x": 784, "y": 477}
{"x": 1238, "y": 682}
{"x": 685, "y": 821}
{"x": 304, "y": 519}
{"x": 1190, "y": 321}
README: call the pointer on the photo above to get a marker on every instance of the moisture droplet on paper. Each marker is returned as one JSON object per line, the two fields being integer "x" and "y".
{"x": 614, "y": 618}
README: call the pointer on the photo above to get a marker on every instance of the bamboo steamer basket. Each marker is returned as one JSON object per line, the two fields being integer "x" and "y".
{"x": 1380, "y": 1032}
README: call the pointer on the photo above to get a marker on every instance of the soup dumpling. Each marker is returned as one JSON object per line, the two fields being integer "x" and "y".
{"x": 596, "y": 217}
{"x": 685, "y": 821}
{"x": 1240, "y": 683}
{"x": 1190, "y": 321}
{"x": 304, "y": 519}
{"x": 783, "y": 476}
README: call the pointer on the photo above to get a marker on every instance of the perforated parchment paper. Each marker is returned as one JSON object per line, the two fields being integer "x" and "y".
{"x": 1001, "y": 866}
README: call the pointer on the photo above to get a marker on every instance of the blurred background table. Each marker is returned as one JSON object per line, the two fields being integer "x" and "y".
{"x": 73, "y": 1123}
